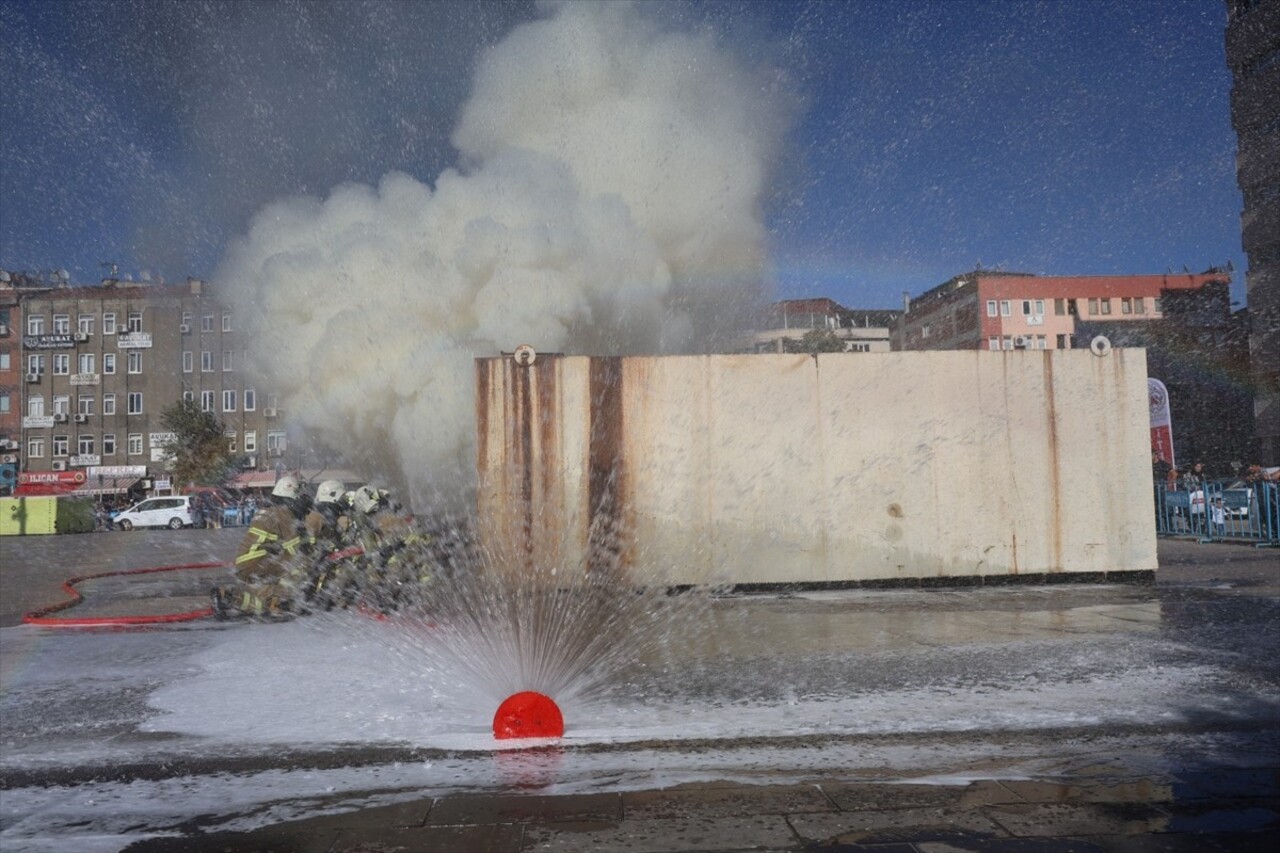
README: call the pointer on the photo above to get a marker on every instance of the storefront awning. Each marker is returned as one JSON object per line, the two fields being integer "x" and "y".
{"x": 105, "y": 486}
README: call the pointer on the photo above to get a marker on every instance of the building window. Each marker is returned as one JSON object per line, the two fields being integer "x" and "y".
{"x": 993, "y": 343}
{"x": 135, "y": 444}
{"x": 135, "y": 322}
{"x": 35, "y": 364}
{"x": 84, "y": 404}
{"x": 1139, "y": 305}
{"x": 1093, "y": 307}
{"x": 1072, "y": 308}
{"x": 186, "y": 319}
{"x": 227, "y": 360}
{"x": 1005, "y": 310}
{"x": 226, "y": 321}
{"x": 251, "y": 441}
{"x": 108, "y": 404}
{"x": 188, "y": 396}
{"x": 206, "y": 401}
{"x": 61, "y": 404}
{"x": 991, "y": 308}
{"x": 135, "y": 361}
{"x": 109, "y": 323}
{"x": 1041, "y": 342}
{"x": 1006, "y": 342}
{"x": 228, "y": 401}
{"x": 88, "y": 361}
{"x": 61, "y": 445}
{"x": 109, "y": 444}
{"x": 188, "y": 361}
{"x": 35, "y": 406}
{"x": 206, "y": 362}
{"x": 1039, "y": 307}
{"x": 1062, "y": 341}
{"x": 85, "y": 445}
{"x": 276, "y": 442}
{"x": 1060, "y": 307}
{"x": 35, "y": 324}
{"x": 84, "y": 324}
{"x": 206, "y": 322}
{"x": 62, "y": 324}
{"x": 250, "y": 400}
{"x": 1106, "y": 306}
{"x": 35, "y": 448}
{"x": 108, "y": 362}
{"x": 1126, "y": 305}
{"x": 135, "y": 402}
{"x": 925, "y": 330}
{"x": 6, "y": 402}
{"x": 61, "y": 364}
{"x": 231, "y": 441}
{"x": 4, "y": 360}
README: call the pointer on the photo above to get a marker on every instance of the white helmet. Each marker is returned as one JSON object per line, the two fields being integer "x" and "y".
{"x": 366, "y": 499}
{"x": 287, "y": 487}
{"x": 329, "y": 492}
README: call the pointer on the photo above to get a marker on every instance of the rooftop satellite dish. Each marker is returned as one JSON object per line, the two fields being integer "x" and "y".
{"x": 4, "y": 275}
{"x": 1100, "y": 345}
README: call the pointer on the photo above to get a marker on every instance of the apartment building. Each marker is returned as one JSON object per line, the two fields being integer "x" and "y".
{"x": 100, "y": 364}
{"x": 1006, "y": 310}
{"x": 10, "y": 385}
{"x": 1253, "y": 55}
{"x": 786, "y": 322}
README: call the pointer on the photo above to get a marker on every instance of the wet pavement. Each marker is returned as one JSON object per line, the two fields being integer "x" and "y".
{"x": 1204, "y": 779}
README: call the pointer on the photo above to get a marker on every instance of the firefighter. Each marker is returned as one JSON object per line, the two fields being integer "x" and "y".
{"x": 272, "y": 554}
{"x": 328, "y": 526}
{"x": 394, "y": 560}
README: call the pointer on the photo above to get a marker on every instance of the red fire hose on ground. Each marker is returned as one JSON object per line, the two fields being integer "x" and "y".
{"x": 43, "y": 615}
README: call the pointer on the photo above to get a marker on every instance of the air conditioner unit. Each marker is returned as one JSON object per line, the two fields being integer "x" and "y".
{"x": 82, "y": 419}
{"x": 276, "y": 451}
{"x": 1021, "y": 342}
{"x": 59, "y": 466}
{"x": 8, "y": 444}
{"x": 4, "y": 330}
{"x": 33, "y": 377}
{"x": 8, "y": 459}
{"x": 59, "y": 417}
{"x": 185, "y": 328}
{"x": 81, "y": 337}
{"x": 269, "y": 412}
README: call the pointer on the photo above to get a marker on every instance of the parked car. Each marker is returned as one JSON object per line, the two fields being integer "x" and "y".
{"x": 172, "y": 512}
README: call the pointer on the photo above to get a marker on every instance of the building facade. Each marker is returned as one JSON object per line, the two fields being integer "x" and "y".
{"x": 1004, "y": 311}
{"x": 784, "y": 324}
{"x": 1253, "y": 54}
{"x": 10, "y": 385}
{"x": 99, "y": 365}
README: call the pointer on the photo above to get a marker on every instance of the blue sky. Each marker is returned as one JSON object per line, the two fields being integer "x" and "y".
{"x": 1052, "y": 137}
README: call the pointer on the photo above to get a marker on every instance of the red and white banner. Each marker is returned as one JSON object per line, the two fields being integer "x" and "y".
{"x": 1161, "y": 420}
{"x": 66, "y": 478}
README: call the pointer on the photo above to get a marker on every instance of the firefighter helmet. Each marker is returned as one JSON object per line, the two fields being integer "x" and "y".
{"x": 329, "y": 492}
{"x": 287, "y": 487}
{"x": 367, "y": 499}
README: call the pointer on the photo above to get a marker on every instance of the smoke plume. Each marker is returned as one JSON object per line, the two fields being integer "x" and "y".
{"x": 607, "y": 200}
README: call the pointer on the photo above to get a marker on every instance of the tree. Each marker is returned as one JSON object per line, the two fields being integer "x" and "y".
{"x": 198, "y": 451}
{"x": 814, "y": 341}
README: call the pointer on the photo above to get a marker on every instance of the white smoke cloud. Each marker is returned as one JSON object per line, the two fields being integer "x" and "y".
{"x": 608, "y": 200}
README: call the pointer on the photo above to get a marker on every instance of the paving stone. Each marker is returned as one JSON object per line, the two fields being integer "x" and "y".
{"x": 1095, "y": 791}
{"x": 1013, "y": 845}
{"x": 914, "y": 824}
{"x": 520, "y": 809}
{"x": 724, "y": 802}
{"x": 760, "y": 833}
{"x": 493, "y": 838}
{"x": 1231, "y": 783}
{"x": 868, "y": 797}
{"x": 1066, "y": 819}
{"x": 273, "y": 840}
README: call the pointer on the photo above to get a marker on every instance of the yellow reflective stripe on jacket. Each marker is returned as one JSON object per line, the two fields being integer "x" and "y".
{"x": 256, "y": 551}
{"x": 291, "y": 545}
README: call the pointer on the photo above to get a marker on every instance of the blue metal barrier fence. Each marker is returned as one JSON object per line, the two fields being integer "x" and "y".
{"x": 1220, "y": 510}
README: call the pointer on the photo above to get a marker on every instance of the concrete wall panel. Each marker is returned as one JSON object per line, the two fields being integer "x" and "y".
{"x": 791, "y": 468}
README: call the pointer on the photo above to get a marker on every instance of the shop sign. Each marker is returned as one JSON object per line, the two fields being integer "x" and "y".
{"x": 158, "y": 438}
{"x": 85, "y": 379}
{"x": 134, "y": 340}
{"x": 84, "y": 460}
{"x": 52, "y": 477}
{"x": 48, "y": 341}
{"x": 37, "y": 421}
{"x": 163, "y": 485}
{"x": 119, "y": 472}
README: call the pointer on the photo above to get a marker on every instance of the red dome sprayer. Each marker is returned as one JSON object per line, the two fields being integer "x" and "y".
{"x": 528, "y": 714}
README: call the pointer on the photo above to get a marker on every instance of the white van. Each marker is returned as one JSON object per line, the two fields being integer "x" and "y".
{"x": 174, "y": 513}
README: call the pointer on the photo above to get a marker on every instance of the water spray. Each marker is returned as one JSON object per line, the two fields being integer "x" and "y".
{"x": 528, "y": 714}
